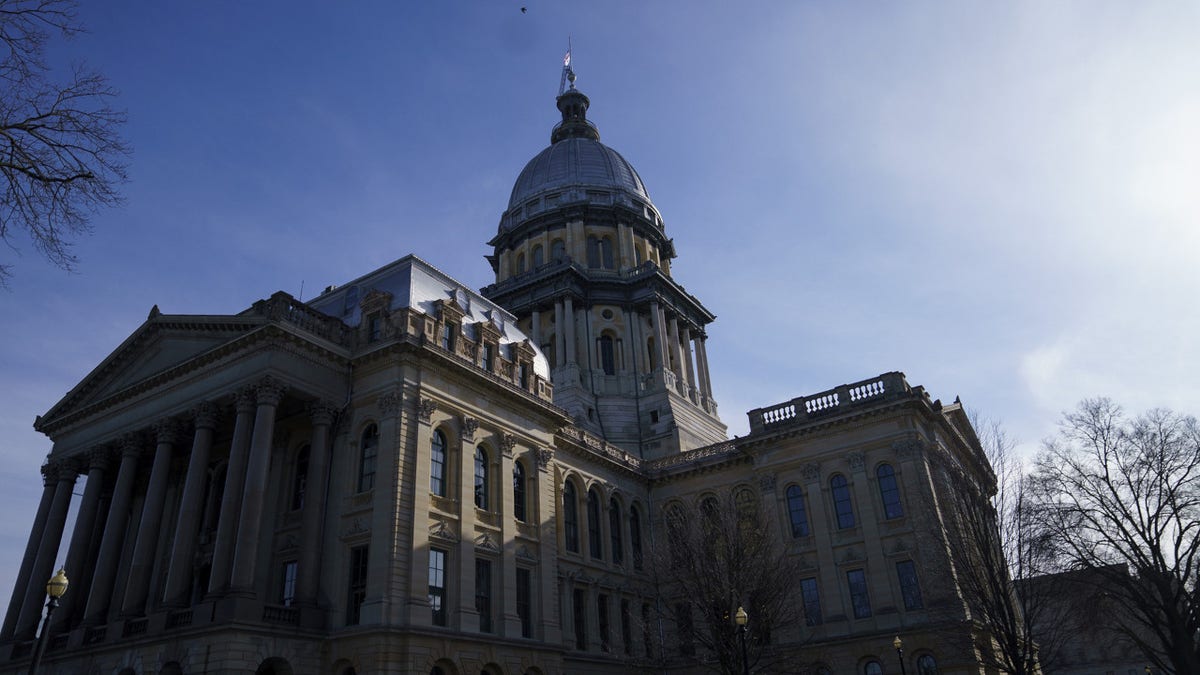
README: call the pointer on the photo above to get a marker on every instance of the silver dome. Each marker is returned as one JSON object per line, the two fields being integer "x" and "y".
{"x": 577, "y": 163}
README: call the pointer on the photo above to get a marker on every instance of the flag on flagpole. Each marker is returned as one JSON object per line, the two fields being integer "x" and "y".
{"x": 567, "y": 59}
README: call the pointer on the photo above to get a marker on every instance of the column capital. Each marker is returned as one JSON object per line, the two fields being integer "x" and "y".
{"x": 389, "y": 403}
{"x": 99, "y": 457}
{"x": 131, "y": 445}
{"x": 64, "y": 469}
{"x": 49, "y": 473}
{"x": 469, "y": 426}
{"x": 322, "y": 413}
{"x": 269, "y": 391}
{"x": 205, "y": 415}
{"x": 544, "y": 455}
{"x": 425, "y": 409}
{"x": 507, "y": 443}
{"x": 856, "y": 459}
{"x": 812, "y": 471}
{"x": 244, "y": 400}
{"x": 166, "y": 430}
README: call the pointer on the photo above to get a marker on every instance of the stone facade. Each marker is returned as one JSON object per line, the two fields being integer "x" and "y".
{"x": 405, "y": 476}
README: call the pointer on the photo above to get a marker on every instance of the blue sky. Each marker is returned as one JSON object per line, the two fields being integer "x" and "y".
{"x": 996, "y": 198}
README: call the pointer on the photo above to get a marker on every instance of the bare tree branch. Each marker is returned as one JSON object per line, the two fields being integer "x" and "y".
{"x": 62, "y": 157}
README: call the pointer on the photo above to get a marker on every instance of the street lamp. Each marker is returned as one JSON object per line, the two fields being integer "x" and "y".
{"x": 55, "y": 589}
{"x": 742, "y": 618}
{"x": 900, "y": 654}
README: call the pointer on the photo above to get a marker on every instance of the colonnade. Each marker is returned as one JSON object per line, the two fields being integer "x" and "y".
{"x": 94, "y": 595}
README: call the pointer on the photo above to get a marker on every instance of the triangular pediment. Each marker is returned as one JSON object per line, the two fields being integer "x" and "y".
{"x": 161, "y": 343}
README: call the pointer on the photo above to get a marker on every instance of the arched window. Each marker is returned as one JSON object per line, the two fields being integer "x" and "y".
{"x": 481, "y": 478}
{"x": 872, "y": 668}
{"x": 538, "y": 257}
{"x": 676, "y": 533}
{"x": 570, "y": 517}
{"x": 926, "y": 665}
{"x": 799, "y": 518}
{"x": 437, "y": 464}
{"x": 889, "y": 491}
{"x": 841, "y": 502}
{"x": 558, "y": 250}
{"x": 520, "y": 263}
{"x": 608, "y": 356}
{"x": 600, "y": 252}
{"x": 606, "y": 253}
{"x": 614, "y": 531}
{"x": 368, "y": 450}
{"x": 519, "y": 491}
{"x": 593, "y": 515}
{"x": 637, "y": 255}
{"x": 300, "y": 479}
{"x": 635, "y": 535}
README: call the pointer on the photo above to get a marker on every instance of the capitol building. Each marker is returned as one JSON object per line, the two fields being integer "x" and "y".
{"x": 406, "y": 475}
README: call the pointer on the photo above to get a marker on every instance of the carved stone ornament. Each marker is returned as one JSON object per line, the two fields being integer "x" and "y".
{"x": 289, "y": 543}
{"x": 49, "y": 473}
{"x": 508, "y": 442}
{"x": 356, "y": 527}
{"x": 544, "y": 455}
{"x": 856, "y": 460}
{"x": 439, "y": 530}
{"x": 205, "y": 415}
{"x": 269, "y": 391}
{"x": 811, "y": 471}
{"x": 523, "y": 553}
{"x": 469, "y": 426}
{"x": 485, "y": 542}
{"x": 244, "y": 400}
{"x": 131, "y": 445}
{"x": 851, "y": 556}
{"x": 322, "y": 413}
{"x": 908, "y": 448}
{"x": 99, "y": 457}
{"x": 766, "y": 482}
{"x": 166, "y": 431}
{"x": 389, "y": 403}
{"x": 425, "y": 409}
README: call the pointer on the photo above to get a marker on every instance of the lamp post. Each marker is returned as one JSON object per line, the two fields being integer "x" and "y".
{"x": 900, "y": 654}
{"x": 742, "y": 619}
{"x": 55, "y": 589}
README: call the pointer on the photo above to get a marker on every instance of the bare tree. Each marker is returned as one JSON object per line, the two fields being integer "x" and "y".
{"x": 61, "y": 153}
{"x": 997, "y": 548}
{"x": 717, "y": 556}
{"x": 1121, "y": 499}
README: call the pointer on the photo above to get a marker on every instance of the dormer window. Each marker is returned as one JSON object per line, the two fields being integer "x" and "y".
{"x": 448, "y": 331}
{"x": 523, "y": 375}
{"x": 374, "y": 328}
{"x": 487, "y": 358}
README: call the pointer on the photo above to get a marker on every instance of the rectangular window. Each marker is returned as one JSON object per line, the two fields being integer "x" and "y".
{"x": 857, "y": 579}
{"x": 910, "y": 589}
{"x": 580, "y": 614}
{"x": 525, "y": 602}
{"x": 448, "y": 331}
{"x": 374, "y": 328}
{"x": 523, "y": 375}
{"x": 602, "y": 615}
{"x": 483, "y": 594}
{"x": 437, "y": 585}
{"x": 357, "y": 585}
{"x": 487, "y": 358}
{"x": 626, "y": 629}
{"x": 812, "y": 601}
{"x": 287, "y": 591}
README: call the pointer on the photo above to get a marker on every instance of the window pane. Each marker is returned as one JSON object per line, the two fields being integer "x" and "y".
{"x": 873, "y": 668}
{"x": 437, "y": 585}
{"x": 602, "y": 615}
{"x": 614, "y": 527}
{"x": 519, "y": 491}
{"x": 570, "y": 517}
{"x": 861, "y": 602}
{"x": 437, "y": 469}
{"x": 795, "y": 500}
{"x": 287, "y": 595}
{"x": 357, "y": 584}
{"x": 841, "y": 502}
{"x": 926, "y": 665}
{"x": 483, "y": 594}
{"x": 593, "y": 513}
{"x": 481, "y": 478}
{"x": 524, "y": 601}
{"x": 910, "y": 589}
{"x": 579, "y": 615}
{"x": 366, "y": 465}
{"x": 812, "y": 601}
{"x": 889, "y": 491}
{"x": 635, "y": 536}
{"x": 300, "y": 479}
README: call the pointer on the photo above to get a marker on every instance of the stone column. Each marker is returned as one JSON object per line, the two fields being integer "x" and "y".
{"x": 509, "y": 622}
{"x": 545, "y": 576}
{"x": 43, "y": 566}
{"x": 660, "y": 335}
{"x": 877, "y": 567}
{"x": 382, "y": 554}
{"x": 419, "y": 612}
{"x": 463, "y": 559}
{"x": 113, "y": 539}
{"x": 702, "y": 361}
{"x": 535, "y": 328}
{"x": 637, "y": 343}
{"x": 31, "y": 549}
{"x": 245, "y": 558}
{"x": 685, "y": 350}
{"x": 231, "y": 498}
{"x": 569, "y": 330}
{"x": 146, "y": 546}
{"x": 560, "y": 340}
{"x": 191, "y": 508}
{"x": 313, "y": 516}
{"x": 81, "y": 538}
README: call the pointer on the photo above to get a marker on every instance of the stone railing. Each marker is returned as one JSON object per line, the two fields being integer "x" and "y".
{"x": 600, "y": 446}
{"x": 280, "y": 614}
{"x": 838, "y": 399}
{"x": 283, "y": 307}
{"x": 723, "y": 449}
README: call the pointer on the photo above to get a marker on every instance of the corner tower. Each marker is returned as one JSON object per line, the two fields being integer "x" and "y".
{"x": 581, "y": 258}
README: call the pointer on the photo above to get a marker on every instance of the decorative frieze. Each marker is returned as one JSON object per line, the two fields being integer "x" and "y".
{"x": 812, "y": 471}
{"x": 856, "y": 459}
{"x": 766, "y": 482}
{"x": 909, "y": 448}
